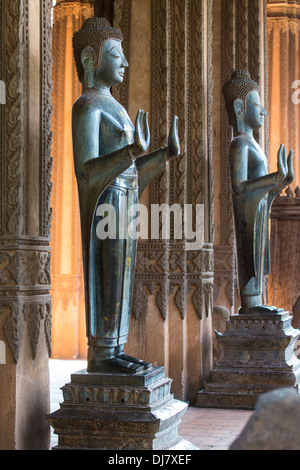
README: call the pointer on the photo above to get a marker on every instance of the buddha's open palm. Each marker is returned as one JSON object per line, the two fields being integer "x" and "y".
{"x": 173, "y": 141}
{"x": 142, "y": 137}
{"x": 142, "y": 134}
{"x": 285, "y": 165}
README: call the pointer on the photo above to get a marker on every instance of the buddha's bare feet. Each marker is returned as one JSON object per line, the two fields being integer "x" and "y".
{"x": 125, "y": 357}
{"x": 259, "y": 309}
{"x": 114, "y": 365}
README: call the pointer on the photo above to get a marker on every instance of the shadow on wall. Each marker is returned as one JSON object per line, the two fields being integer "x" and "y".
{"x": 220, "y": 316}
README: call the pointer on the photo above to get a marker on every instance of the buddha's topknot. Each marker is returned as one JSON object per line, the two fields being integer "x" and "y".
{"x": 94, "y": 32}
{"x": 238, "y": 87}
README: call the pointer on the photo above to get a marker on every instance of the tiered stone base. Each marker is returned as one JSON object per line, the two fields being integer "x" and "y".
{"x": 122, "y": 412}
{"x": 258, "y": 357}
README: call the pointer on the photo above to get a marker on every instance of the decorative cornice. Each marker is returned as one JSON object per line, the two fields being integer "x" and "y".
{"x": 80, "y": 2}
{"x": 72, "y": 8}
{"x": 288, "y": 9}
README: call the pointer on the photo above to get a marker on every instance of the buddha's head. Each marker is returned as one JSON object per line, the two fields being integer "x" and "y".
{"x": 98, "y": 53}
{"x": 242, "y": 101}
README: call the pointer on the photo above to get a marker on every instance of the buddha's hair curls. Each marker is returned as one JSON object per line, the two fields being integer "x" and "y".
{"x": 238, "y": 87}
{"x": 94, "y": 32}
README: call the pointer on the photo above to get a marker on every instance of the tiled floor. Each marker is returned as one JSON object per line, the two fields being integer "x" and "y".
{"x": 213, "y": 429}
{"x": 207, "y": 429}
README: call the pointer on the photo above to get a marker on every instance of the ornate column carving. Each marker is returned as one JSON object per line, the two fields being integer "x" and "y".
{"x": 25, "y": 211}
{"x": 25, "y": 219}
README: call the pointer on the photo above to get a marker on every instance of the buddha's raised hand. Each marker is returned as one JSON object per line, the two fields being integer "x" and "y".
{"x": 173, "y": 141}
{"x": 141, "y": 135}
{"x": 290, "y": 173}
{"x": 285, "y": 165}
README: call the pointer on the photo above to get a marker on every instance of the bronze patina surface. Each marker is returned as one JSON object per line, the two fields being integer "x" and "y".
{"x": 258, "y": 343}
{"x": 112, "y": 170}
{"x": 118, "y": 402}
{"x": 253, "y": 188}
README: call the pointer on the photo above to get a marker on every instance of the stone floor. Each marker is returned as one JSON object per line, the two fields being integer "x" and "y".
{"x": 208, "y": 429}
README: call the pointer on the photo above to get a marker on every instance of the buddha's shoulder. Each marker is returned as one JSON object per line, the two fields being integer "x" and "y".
{"x": 241, "y": 143}
{"x": 89, "y": 102}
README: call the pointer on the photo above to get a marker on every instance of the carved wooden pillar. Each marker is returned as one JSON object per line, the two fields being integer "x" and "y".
{"x": 169, "y": 54}
{"x": 242, "y": 39}
{"x": 284, "y": 80}
{"x": 284, "y": 86}
{"x": 25, "y": 218}
{"x": 284, "y": 285}
{"x": 69, "y": 339}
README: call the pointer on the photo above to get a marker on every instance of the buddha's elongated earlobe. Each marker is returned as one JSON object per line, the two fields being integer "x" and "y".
{"x": 238, "y": 107}
{"x": 240, "y": 125}
{"x": 88, "y": 78}
{"x": 89, "y": 62}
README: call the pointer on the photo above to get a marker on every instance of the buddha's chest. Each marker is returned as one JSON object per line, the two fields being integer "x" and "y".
{"x": 116, "y": 129}
{"x": 257, "y": 163}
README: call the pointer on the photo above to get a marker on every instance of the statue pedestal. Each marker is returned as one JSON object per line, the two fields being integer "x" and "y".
{"x": 120, "y": 412}
{"x": 258, "y": 357}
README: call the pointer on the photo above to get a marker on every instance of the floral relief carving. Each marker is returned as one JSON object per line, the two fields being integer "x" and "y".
{"x": 13, "y": 330}
{"x": 25, "y": 268}
{"x": 25, "y": 303}
{"x": 32, "y": 312}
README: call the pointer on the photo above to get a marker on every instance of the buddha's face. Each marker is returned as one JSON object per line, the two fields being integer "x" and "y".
{"x": 113, "y": 63}
{"x": 255, "y": 113}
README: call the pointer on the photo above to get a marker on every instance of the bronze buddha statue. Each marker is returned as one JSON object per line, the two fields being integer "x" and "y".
{"x": 112, "y": 167}
{"x": 253, "y": 188}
